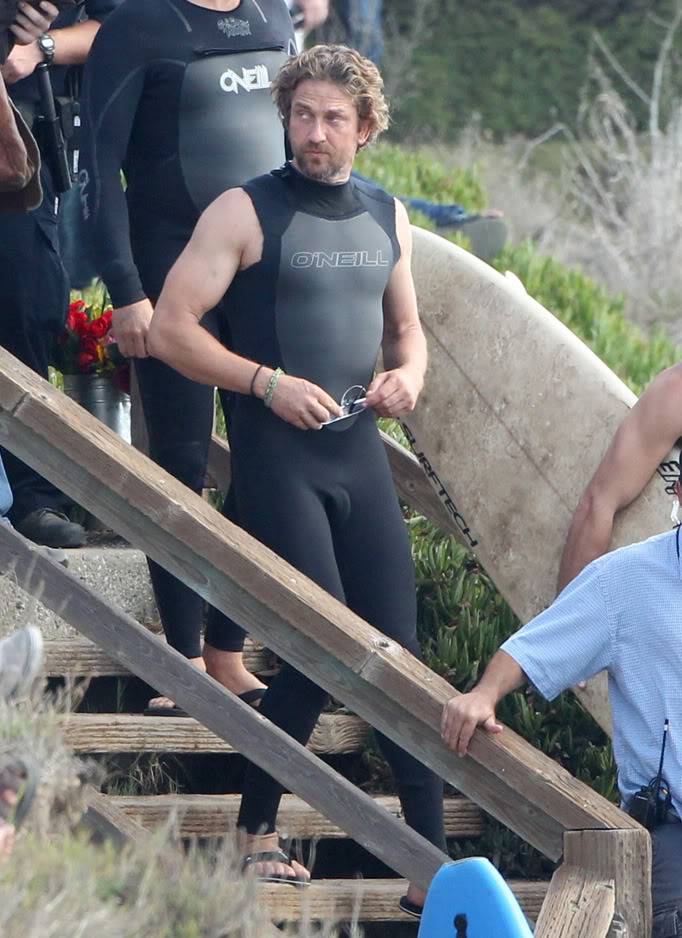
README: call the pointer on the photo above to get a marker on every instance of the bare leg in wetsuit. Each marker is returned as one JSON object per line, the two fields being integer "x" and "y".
{"x": 318, "y": 270}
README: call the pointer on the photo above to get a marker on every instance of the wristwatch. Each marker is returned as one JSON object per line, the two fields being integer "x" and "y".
{"x": 46, "y": 44}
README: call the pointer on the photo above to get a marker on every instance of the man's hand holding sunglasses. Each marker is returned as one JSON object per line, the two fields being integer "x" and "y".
{"x": 395, "y": 392}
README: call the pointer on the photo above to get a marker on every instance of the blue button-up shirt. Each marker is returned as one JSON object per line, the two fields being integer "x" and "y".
{"x": 623, "y": 613}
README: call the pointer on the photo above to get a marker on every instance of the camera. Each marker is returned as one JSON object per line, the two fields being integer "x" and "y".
{"x": 650, "y": 805}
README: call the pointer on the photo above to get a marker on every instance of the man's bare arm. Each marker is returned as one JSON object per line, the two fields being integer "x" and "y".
{"x": 196, "y": 283}
{"x": 462, "y": 714}
{"x": 228, "y": 237}
{"x": 642, "y": 441}
{"x": 395, "y": 391}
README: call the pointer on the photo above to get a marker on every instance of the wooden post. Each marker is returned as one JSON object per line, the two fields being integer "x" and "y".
{"x": 596, "y": 862}
{"x": 576, "y": 906}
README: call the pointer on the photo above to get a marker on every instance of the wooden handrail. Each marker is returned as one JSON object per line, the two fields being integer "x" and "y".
{"x": 377, "y": 678}
{"x": 382, "y": 682}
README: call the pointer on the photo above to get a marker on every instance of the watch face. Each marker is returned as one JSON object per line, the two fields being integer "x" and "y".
{"x": 46, "y": 44}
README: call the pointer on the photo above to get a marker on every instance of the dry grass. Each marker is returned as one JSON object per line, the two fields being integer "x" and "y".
{"x": 59, "y": 884}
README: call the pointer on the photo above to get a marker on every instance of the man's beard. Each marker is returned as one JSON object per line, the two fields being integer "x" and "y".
{"x": 321, "y": 172}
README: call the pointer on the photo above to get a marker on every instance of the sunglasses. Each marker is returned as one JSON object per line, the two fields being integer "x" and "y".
{"x": 352, "y": 403}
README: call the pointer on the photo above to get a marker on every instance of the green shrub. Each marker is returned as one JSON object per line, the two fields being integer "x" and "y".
{"x": 420, "y": 177}
{"x": 593, "y": 314}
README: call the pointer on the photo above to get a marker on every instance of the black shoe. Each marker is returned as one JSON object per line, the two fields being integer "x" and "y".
{"x": 51, "y": 528}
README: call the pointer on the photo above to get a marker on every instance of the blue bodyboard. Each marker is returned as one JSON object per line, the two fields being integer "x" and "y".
{"x": 469, "y": 899}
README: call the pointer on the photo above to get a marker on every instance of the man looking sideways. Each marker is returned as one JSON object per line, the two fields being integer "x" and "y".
{"x": 318, "y": 269}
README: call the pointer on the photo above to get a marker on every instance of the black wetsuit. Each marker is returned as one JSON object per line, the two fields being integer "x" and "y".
{"x": 324, "y": 500}
{"x": 178, "y": 95}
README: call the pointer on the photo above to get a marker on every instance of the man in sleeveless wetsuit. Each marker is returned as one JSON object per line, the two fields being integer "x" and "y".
{"x": 177, "y": 93}
{"x": 318, "y": 269}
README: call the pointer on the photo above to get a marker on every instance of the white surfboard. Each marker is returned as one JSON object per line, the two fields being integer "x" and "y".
{"x": 515, "y": 416}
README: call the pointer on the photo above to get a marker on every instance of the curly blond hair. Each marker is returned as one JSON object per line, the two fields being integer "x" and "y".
{"x": 356, "y": 75}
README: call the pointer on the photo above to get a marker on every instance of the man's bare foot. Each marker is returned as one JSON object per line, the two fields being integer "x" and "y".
{"x": 284, "y": 869}
{"x": 165, "y": 703}
{"x": 227, "y": 667}
{"x": 416, "y": 895}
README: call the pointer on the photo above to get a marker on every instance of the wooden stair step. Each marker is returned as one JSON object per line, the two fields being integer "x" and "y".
{"x": 82, "y": 658}
{"x": 134, "y": 732}
{"x": 370, "y": 900}
{"x": 212, "y": 815}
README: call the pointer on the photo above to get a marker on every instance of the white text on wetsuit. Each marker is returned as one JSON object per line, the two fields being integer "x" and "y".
{"x": 302, "y": 259}
{"x": 251, "y": 79}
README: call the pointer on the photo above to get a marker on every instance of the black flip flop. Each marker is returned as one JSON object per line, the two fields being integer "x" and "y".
{"x": 273, "y": 856}
{"x": 411, "y": 908}
{"x": 251, "y": 697}
{"x": 20, "y": 775}
{"x": 173, "y": 711}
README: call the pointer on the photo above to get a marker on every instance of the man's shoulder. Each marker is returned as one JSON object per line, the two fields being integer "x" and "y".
{"x": 657, "y": 550}
{"x": 372, "y": 190}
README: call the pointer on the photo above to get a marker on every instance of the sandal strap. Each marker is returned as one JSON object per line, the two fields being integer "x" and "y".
{"x": 266, "y": 856}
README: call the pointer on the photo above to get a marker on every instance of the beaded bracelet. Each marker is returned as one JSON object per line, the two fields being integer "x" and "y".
{"x": 272, "y": 384}
{"x": 253, "y": 380}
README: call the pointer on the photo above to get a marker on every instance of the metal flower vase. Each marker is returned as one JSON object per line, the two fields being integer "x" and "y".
{"x": 103, "y": 399}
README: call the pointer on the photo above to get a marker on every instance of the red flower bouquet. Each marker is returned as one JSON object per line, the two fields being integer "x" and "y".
{"x": 86, "y": 346}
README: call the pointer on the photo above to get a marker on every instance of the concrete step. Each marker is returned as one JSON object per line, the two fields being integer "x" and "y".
{"x": 132, "y": 732}
{"x": 79, "y": 657}
{"x": 118, "y": 574}
{"x": 367, "y": 900}
{"x": 214, "y": 815}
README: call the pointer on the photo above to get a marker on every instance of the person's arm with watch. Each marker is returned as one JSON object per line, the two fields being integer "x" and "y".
{"x": 66, "y": 46}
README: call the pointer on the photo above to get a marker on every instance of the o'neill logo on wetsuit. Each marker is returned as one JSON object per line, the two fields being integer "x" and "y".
{"x": 303, "y": 259}
{"x": 251, "y": 79}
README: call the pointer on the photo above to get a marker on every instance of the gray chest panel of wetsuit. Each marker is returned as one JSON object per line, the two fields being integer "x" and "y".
{"x": 329, "y": 315}
{"x": 229, "y": 128}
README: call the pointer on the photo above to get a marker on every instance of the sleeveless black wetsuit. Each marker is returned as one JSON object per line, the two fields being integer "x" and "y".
{"x": 324, "y": 500}
{"x": 179, "y": 96}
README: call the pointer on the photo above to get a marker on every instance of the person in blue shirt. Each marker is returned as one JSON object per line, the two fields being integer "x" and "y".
{"x": 622, "y": 614}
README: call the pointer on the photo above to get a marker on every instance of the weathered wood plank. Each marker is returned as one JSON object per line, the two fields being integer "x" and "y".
{"x": 369, "y": 900}
{"x": 133, "y": 732}
{"x": 410, "y": 481}
{"x": 227, "y": 716}
{"x": 577, "y": 905}
{"x": 211, "y": 815}
{"x": 622, "y": 856}
{"x": 106, "y": 821}
{"x": 380, "y": 681}
{"x": 81, "y": 658}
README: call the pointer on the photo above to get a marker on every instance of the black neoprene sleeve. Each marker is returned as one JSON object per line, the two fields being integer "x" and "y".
{"x": 112, "y": 88}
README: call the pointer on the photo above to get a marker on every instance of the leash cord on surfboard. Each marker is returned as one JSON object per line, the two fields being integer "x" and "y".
{"x": 438, "y": 485}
